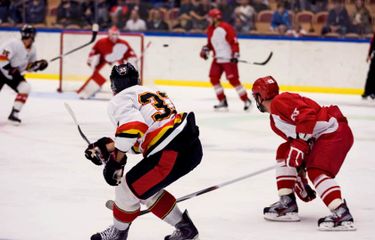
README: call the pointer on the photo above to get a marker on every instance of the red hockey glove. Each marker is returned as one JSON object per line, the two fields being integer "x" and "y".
{"x": 283, "y": 151}
{"x": 97, "y": 152}
{"x": 297, "y": 153}
{"x": 303, "y": 189}
{"x": 114, "y": 170}
{"x": 204, "y": 52}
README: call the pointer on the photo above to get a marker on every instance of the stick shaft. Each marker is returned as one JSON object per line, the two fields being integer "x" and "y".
{"x": 71, "y": 113}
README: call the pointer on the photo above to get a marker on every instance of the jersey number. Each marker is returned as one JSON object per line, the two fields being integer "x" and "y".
{"x": 158, "y": 101}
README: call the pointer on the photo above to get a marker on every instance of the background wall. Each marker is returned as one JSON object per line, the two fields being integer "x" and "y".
{"x": 317, "y": 64}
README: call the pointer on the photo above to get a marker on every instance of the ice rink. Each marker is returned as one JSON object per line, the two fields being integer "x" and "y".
{"x": 48, "y": 190}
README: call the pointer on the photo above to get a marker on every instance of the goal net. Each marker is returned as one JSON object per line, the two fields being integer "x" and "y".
{"x": 74, "y": 71}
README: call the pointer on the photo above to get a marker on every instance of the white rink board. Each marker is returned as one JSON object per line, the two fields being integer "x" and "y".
{"x": 50, "y": 191}
{"x": 295, "y": 63}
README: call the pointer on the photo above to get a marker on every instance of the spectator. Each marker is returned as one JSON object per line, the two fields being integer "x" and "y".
{"x": 118, "y": 14}
{"x": 16, "y": 11}
{"x": 141, "y": 6}
{"x": 36, "y": 12}
{"x": 318, "y": 5}
{"x": 227, "y": 10}
{"x": 361, "y": 18}
{"x": 198, "y": 13}
{"x": 184, "y": 24}
{"x": 244, "y": 16}
{"x": 157, "y": 23}
{"x": 69, "y": 12}
{"x": 338, "y": 19}
{"x": 135, "y": 23}
{"x": 185, "y": 8}
{"x": 4, "y": 9}
{"x": 259, "y": 5}
{"x": 88, "y": 11}
{"x": 280, "y": 20}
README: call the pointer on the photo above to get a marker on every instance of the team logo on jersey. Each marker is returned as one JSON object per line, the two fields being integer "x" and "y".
{"x": 5, "y": 53}
{"x": 294, "y": 114}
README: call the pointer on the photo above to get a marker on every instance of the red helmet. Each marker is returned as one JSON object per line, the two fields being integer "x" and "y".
{"x": 265, "y": 87}
{"x": 113, "y": 33}
{"x": 214, "y": 13}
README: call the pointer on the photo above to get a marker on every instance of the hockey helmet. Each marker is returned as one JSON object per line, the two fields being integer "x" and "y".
{"x": 28, "y": 31}
{"x": 215, "y": 13}
{"x": 113, "y": 33}
{"x": 264, "y": 88}
{"x": 123, "y": 76}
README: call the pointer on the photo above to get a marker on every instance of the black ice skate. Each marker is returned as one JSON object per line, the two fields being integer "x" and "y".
{"x": 111, "y": 233}
{"x": 13, "y": 117}
{"x": 285, "y": 210}
{"x": 247, "y": 105}
{"x": 223, "y": 105}
{"x": 339, "y": 220}
{"x": 185, "y": 230}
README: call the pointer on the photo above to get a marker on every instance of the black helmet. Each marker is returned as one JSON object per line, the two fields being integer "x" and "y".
{"x": 28, "y": 31}
{"x": 123, "y": 76}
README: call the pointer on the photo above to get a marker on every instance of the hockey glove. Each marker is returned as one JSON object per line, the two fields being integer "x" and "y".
{"x": 114, "y": 170}
{"x": 39, "y": 65}
{"x": 204, "y": 52}
{"x": 235, "y": 57}
{"x": 14, "y": 72}
{"x": 97, "y": 152}
{"x": 303, "y": 189}
{"x": 297, "y": 153}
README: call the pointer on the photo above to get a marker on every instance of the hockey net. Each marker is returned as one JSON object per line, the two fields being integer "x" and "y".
{"x": 74, "y": 71}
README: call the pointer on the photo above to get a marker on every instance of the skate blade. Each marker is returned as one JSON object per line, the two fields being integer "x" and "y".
{"x": 345, "y": 226}
{"x": 14, "y": 123}
{"x": 289, "y": 217}
{"x": 222, "y": 109}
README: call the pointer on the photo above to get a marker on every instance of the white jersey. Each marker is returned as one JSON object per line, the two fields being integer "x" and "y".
{"x": 146, "y": 120}
{"x": 14, "y": 53}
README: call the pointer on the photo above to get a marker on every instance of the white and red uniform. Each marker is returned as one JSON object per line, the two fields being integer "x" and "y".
{"x": 14, "y": 54}
{"x": 328, "y": 133}
{"x": 105, "y": 52}
{"x": 222, "y": 40}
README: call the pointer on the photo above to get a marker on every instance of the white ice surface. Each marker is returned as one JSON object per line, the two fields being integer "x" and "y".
{"x": 48, "y": 190}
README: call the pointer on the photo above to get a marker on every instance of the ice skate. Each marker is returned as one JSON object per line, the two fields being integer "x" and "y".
{"x": 13, "y": 117}
{"x": 185, "y": 230}
{"x": 111, "y": 233}
{"x": 223, "y": 105}
{"x": 285, "y": 210}
{"x": 247, "y": 105}
{"x": 339, "y": 220}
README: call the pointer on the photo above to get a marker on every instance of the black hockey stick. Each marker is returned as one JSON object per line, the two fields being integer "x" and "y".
{"x": 254, "y": 63}
{"x": 70, "y": 111}
{"x": 95, "y": 29}
{"x": 109, "y": 204}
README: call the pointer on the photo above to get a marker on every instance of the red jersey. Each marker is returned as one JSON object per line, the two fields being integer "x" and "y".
{"x": 222, "y": 40}
{"x": 112, "y": 52}
{"x": 294, "y": 116}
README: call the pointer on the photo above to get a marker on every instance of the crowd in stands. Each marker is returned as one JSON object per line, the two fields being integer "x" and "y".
{"x": 284, "y": 17}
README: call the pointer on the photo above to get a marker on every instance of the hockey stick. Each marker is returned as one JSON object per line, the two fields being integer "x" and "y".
{"x": 95, "y": 29}
{"x": 254, "y": 63}
{"x": 70, "y": 111}
{"x": 109, "y": 204}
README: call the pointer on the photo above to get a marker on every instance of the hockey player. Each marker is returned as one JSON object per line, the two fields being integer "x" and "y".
{"x": 318, "y": 139}
{"x": 223, "y": 42}
{"x": 16, "y": 57}
{"x": 109, "y": 50}
{"x": 146, "y": 122}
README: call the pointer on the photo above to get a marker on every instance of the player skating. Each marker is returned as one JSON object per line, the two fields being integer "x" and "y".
{"x": 317, "y": 141}
{"x": 146, "y": 122}
{"x": 109, "y": 50}
{"x": 222, "y": 41}
{"x": 16, "y": 57}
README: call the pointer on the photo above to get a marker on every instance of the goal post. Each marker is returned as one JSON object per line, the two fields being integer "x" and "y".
{"x": 73, "y": 69}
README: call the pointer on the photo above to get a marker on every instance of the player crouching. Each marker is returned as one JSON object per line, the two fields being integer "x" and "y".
{"x": 17, "y": 56}
{"x": 147, "y": 122}
{"x": 318, "y": 139}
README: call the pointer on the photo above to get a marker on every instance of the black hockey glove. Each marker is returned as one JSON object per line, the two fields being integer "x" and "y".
{"x": 14, "y": 72}
{"x": 235, "y": 58}
{"x": 39, "y": 65}
{"x": 113, "y": 170}
{"x": 97, "y": 152}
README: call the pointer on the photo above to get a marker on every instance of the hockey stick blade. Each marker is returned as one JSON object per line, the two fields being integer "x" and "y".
{"x": 265, "y": 62}
{"x": 71, "y": 113}
{"x": 110, "y": 203}
{"x": 95, "y": 29}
